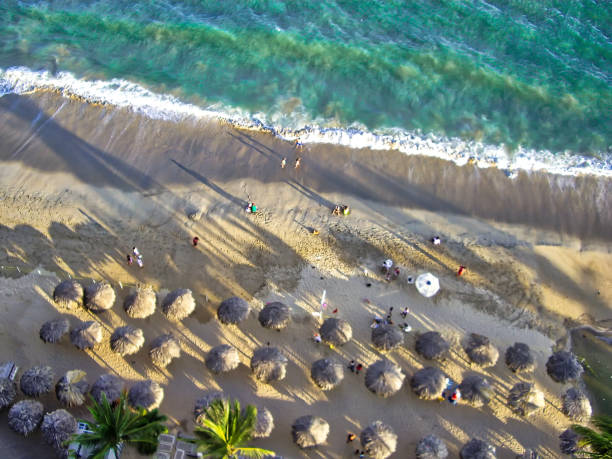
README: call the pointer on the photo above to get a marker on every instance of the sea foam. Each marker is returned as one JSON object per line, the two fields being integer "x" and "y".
{"x": 132, "y": 96}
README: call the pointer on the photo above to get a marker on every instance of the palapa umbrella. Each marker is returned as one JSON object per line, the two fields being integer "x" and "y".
{"x": 72, "y": 388}
{"x": 387, "y": 337}
{"x": 8, "y": 392}
{"x": 37, "y": 381}
{"x": 140, "y": 303}
{"x": 68, "y": 294}
{"x": 477, "y": 449}
{"x": 384, "y": 378}
{"x": 107, "y": 384}
{"x": 164, "y": 348}
{"x": 99, "y": 296}
{"x": 202, "y": 404}
{"x": 378, "y": 440}
{"x": 327, "y": 373}
{"x": 53, "y": 330}
{"x": 264, "y": 424}
{"x": 233, "y": 311}
{"x": 519, "y": 358}
{"x": 274, "y": 315}
{"x": 568, "y": 443}
{"x": 428, "y": 383}
{"x": 309, "y": 431}
{"x": 178, "y": 304}
{"x": 432, "y": 346}
{"x": 563, "y": 366}
{"x": 480, "y": 350}
{"x": 431, "y": 447}
{"x": 269, "y": 364}
{"x": 25, "y": 416}
{"x": 427, "y": 284}
{"x": 145, "y": 394}
{"x": 576, "y": 405}
{"x": 86, "y": 335}
{"x": 529, "y": 454}
{"x": 126, "y": 340}
{"x": 223, "y": 358}
{"x": 476, "y": 390}
{"x": 525, "y": 399}
{"x": 57, "y": 427}
{"x": 336, "y": 331}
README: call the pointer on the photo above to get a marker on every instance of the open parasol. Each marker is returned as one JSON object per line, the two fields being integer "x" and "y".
{"x": 427, "y": 284}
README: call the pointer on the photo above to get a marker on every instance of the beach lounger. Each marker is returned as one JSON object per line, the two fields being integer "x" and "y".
{"x": 179, "y": 454}
{"x": 9, "y": 371}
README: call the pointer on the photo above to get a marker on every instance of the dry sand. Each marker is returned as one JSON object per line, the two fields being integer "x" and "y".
{"x": 81, "y": 184}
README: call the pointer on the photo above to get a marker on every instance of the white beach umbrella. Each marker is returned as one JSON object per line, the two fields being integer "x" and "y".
{"x": 427, "y": 284}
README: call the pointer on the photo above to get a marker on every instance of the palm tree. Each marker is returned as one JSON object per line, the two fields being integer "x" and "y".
{"x": 118, "y": 424}
{"x": 225, "y": 431}
{"x": 598, "y": 444}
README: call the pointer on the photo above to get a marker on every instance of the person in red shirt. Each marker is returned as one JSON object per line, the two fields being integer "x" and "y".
{"x": 195, "y": 241}
{"x": 461, "y": 270}
{"x": 358, "y": 368}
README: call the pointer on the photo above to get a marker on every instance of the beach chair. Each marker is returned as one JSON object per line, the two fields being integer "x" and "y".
{"x": 9, "y": 371}
{"x": 159, "y": 455}
{"x": 179, "y": 454}
{"x": 191, "y": 449}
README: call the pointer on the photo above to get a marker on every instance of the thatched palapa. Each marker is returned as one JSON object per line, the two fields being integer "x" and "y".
{"x": 477, "y": 449}
{"x": 576, "y": 405}
{"x": 568, "y": 442}
{"x": 387, "y": 337}
{"x": 264, "y": 424}
{"x": 126, "y": 340}
{"x": 432, "y": 346}
{"x": 37, "y": 381}
{"x": 428, "y": 383}
{"x": 69, "y": 294}
{"x": 145, "y": 394}
{"x": 564, "y": 366}
{"x": 179, "y": 304}
{"x": 378, "y": 440}
{"x": 223, "y": 358}
{"x": 72, "y": 388}
{"x": 57, "y": 427}
{"x": 269, "y": 364}
{"x": 8, "y": 392}
{"x": 53, "y": 330}
{"x": 384, "y": 378}
{"x": 86, "y": 335}
{"x": 431, "y": 447}
{"x": 327, "y": 373}
{"x": 309, "y": 431}
{"x": 476, "y": 390}
{"x": 233, "y": 311}
{"x": 99, "y": 296}
{"x": 336, "y": 331}
{"x": 202, "y": 404}
{"x": 107, "y": 384}
{"x": 519, "y": 358}
{"x": 25, "y": 416}
{"x": 141, "y": 303}
{"x": 164, "y": 348}
{"x": 274, "y": 315}
{"x": 481, "y": 351}
{"x": 525, "y": 399}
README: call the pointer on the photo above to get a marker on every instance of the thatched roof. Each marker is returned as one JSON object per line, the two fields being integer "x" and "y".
{"x": 576, "y": 405}
{"x": 53, "y": 330}
{"x": 428, "y": 383}
{"x": 108, "y": 384}
{"x": 525, "y": 399}
{"x": 568, "y": 443}
{"x": 99, "y": 296}
{"x": 222, "y": 358}
{"x": 477, "y": 449}
{"x": 37, "y": 381}
{"x": 384, "y": 378}
{"x": 336, "y": 331}
{"x": 68, "y": 294}
{"x": 378, "y": 440}
{"x": 476, "y": 390}
{"x": 178, "y": 304}
{"x": 274, "y": 315}
{"x": 386, "y": 337}
{"x": 269, "y": 364}
{"x": 140, "y": 303}
{"x": 327, "y": 373}
{"x": 264, "y": 423}
{"x": 145, "y": 394}
{"x": 72, "y": 388}
{"x": 86, "y": 335}
{"x": 432, "y": 346}
{"x": 164, "y": 348}
{"x": 563, "y": 366}
{"x": 529, "y": 454}
{"x": 25, "y": 416}
{"x": 127, "y": 340}
{"x": 431, "y": 447}
{"x": 57, "y": 427}
{"x": 8, "y": 392}
{"x": 201, "y": 404}
{"x": 481, "y": 351}
{"x": 309, "y": 431}
{"x": 519, "y": 358}
{"x": 233, "y": 311}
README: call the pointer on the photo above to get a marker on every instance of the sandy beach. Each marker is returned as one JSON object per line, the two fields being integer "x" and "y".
{"x": 81, "y": 184}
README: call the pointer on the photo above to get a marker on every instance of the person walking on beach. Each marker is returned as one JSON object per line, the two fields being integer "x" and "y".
{"x": 461, "y": 271}
{"x": 139, "y": 261}
{"x": 317, "y": 338}
{"x": 136, "y": 252}
{"x": 195, "y": 241}
{"x": 350, "y": 437}
{"x": 358, "y": 368}
{"x": 351, "y": 366}
{"x": 283, "y": 163}
{"x": 405, "y": 312}
{"x": 130, "y": 260}
{"x": 298, "y": 161}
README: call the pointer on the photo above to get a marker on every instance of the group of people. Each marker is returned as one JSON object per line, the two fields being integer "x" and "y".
{"x": 390, "y": 272}
{"x": 405, "y": 326}
{"x": 299, "y": 147}
{"x": 350, "y": 438}
{"x": 341, "y": 210}
{"x": 136, "y": 255}
{"x": 355, "y": 367}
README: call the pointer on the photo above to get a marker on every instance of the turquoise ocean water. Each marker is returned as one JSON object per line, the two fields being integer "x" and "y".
{"x": 534, "y": 74}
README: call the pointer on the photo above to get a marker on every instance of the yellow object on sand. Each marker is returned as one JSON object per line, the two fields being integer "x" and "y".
{"x": 315, "y": 232}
